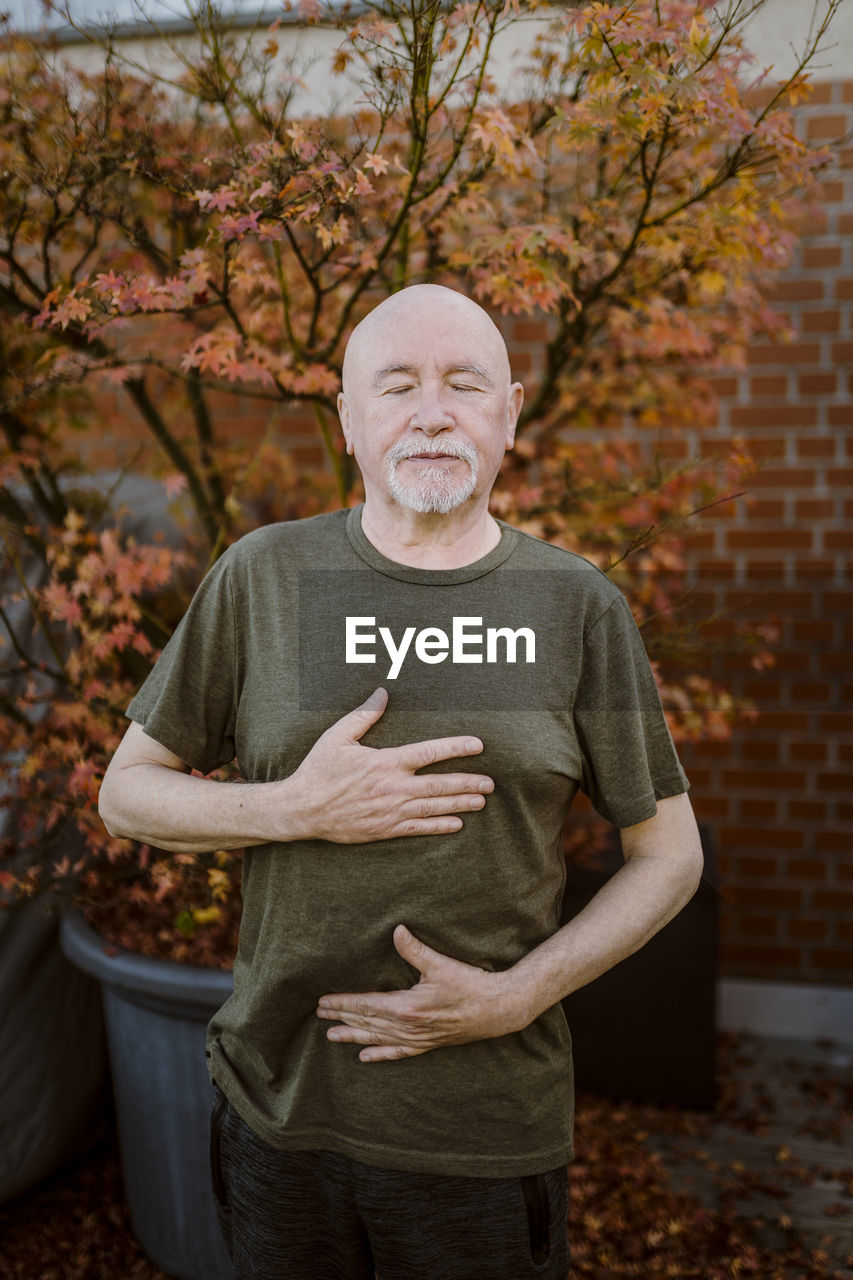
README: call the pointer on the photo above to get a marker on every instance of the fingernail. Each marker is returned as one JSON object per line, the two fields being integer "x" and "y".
{"x": 405, "y": 936}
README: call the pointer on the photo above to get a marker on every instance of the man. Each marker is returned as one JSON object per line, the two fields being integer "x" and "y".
{"x": 394, "y": 1065}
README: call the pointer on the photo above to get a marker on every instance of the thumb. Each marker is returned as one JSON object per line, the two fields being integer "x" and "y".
{"x": 417, "y": 953}
{"x": 356, "y": 723}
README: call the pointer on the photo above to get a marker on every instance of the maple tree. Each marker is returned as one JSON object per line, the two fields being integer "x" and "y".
{"x": 633, "y": 182}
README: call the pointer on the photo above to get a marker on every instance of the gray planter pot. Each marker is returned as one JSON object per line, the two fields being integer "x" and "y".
{"x": 54, "y": 1084}
{"x": 156, "y": 1013}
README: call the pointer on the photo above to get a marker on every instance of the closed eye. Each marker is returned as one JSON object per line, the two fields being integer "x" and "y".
{"x": 397, "y": 391}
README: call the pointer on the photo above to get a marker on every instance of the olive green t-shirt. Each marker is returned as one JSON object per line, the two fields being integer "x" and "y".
{"x": 531, "y": 649}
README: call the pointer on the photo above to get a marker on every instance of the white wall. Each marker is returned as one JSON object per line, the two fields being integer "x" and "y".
{"x": 773, "y": 34}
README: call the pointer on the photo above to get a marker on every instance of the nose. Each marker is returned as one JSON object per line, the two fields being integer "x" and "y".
{"x": 431, "y": 414}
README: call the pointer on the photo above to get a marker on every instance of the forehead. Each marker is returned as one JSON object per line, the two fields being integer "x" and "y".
{"x": 424, "y": 346}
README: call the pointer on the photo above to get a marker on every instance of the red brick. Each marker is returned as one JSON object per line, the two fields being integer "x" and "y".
{"x": 756, "y": 751}
{"x": 806, "y": 811}
{"x": 840, "y": 476}
{"x": 842, "y": 352}
{"x": 778, "y": 779}
{"x": 815, "y": 447}
{"x": 814, "y": 930}
{"x": 833, "y": 899}
{"x": 753, "y": 808}
{"x": 845, "y": 224}
{"x": 756, "y": 837}
{"x": 752, "y": 867}
{"x": 832, "y": 781}
{"x": 819, "y": 257}
{"x": 805, "y": 869}
{"x": 761, "y": 572}
{"x": 798, "y": 721}
{"x": 828, "y": 321}
{"x": 844, "y": 930}
{"x": 798, "y": 290}
{"x": 815, "y": 508}
{"x": 817, "y": 384}
{"x": 772, "y": 539}
{"x": 835, "y": 721}
{"x": 775, "y": 384}
{"x": 847, "y": 91}
{"x": 811, "y": 631}
{"x": 829, "y": 193}
{"x": 768, "y": 958}
{"x": 840, "y": 415}
{"x": 763, "y": 895}
{"x": 843, "y": 289}
{"x": 786, "y": 478}
{"x": 794, "y": 415}
{"x": 784, "y": 353}
{"x": 802, "y": 752}
{"x": 826, "y": 126}
{"x": 838, "y": 539}
{"x": 766, "y": 508}
{"x": 810, "y": 691}
{"x": 838, "y": 601}
{"x": 815, "y": 569}
{"x": 834, "y": 663}
{"x": 829, "y": 841}
{"x": 724, "y": 386}
{"x": 757, "y": 926}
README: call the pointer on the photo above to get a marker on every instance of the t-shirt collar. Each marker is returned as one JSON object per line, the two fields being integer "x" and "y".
{"x": 437, "y": 577}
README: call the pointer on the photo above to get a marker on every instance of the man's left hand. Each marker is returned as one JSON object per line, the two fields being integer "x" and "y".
{"x": 452, "y": 1003}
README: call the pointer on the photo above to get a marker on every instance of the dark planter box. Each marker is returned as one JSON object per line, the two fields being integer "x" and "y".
{"x": 644, "y": 1031}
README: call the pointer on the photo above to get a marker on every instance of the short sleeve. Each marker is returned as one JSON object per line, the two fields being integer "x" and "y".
{"x": 629, "y": 760}
{"x": 188, "y": 702}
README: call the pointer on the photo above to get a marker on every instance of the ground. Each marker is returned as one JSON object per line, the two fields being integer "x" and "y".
{"x": 761, "y": 1187}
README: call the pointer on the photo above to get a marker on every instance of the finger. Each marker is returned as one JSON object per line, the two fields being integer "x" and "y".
{"x": 417, "y": 953}
{"x": 355, "y": 723}
{"x": 450, "y": 784}
{"x": 363, "y": 1005}
{"x": 347, "y": 1034}
{"x": 390, "y": 1053}
{"x": 417, "y": 755}
{"x": 426, "y": 808}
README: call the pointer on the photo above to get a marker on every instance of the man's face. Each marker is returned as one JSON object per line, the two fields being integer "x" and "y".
{"x": 427, "y": 406}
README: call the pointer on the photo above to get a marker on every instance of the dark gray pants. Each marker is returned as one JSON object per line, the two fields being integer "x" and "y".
{"x": 315, "y": 1215}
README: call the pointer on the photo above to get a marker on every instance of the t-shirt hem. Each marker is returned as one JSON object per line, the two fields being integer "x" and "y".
{"x": 401, "y": 1159}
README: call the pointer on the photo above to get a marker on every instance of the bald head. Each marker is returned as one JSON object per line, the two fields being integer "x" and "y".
{"x": 427, "y": 406}
{"x": 421, "y": 311}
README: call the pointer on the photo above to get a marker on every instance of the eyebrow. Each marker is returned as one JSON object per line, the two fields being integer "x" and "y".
{"x": 477, "y": 370}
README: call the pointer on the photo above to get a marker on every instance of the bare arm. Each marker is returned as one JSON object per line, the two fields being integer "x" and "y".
{"x": 342, "y": 791}
{"x": 454, "y": 1002}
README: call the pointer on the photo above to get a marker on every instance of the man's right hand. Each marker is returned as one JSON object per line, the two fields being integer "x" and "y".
{"x": 352, "y": 794}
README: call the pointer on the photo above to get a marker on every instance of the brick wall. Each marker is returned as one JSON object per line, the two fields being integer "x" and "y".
{"x": 779, "y": 795}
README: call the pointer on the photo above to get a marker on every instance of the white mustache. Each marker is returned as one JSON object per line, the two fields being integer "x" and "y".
{"x": 446, "y": 448}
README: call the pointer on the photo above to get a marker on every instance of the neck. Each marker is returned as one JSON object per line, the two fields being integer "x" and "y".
{"x": 430, "y": 541}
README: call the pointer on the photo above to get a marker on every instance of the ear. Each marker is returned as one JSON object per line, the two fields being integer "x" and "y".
{"x": 514, "y": 403}
{"x": 343, "y": 414}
